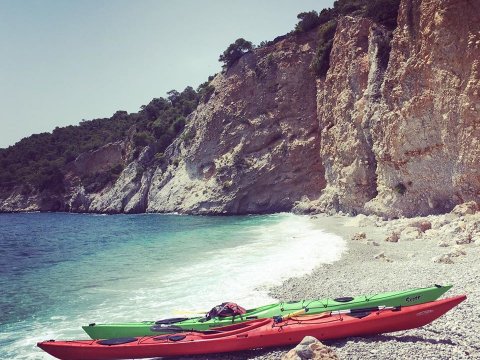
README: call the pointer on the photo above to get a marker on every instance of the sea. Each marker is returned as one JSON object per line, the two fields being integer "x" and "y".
{"x": 59, "y": 271}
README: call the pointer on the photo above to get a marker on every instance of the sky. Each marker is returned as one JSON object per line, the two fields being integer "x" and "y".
{"x": 64, "y": 61}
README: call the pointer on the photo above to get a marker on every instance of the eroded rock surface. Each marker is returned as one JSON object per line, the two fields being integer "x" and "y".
{"x": 255, "y": 144}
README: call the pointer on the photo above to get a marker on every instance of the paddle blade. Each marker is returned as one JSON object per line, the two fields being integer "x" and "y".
{"x": 286, "y": 317}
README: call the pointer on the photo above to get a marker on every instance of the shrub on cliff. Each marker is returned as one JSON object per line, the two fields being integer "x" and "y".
{"x": 235, "y": 51}
{"x": 350, "y": 7}
{"x": 384, "y": 12}
{"x": 142, "y": 138}
{"x": 170, "y": 117}
{"x": 321, "y": 61}
{"x": 308, "y": 20}
{"x": 50, "y": 178}
{"x": 205, "y": 90}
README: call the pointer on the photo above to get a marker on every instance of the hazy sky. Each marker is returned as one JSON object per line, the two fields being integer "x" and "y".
{"x": 63, "y": 61}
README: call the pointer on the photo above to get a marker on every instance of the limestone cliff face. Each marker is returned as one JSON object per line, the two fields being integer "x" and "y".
{"x": 426, "y": 133}
{"x": 255, "y": 144}
{"x": 345, "y": 98}
{"x": 393, "y": 129}
{"x": 403, "y": 139}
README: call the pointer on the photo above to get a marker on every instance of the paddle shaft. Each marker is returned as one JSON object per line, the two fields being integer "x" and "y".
{"x": 336, "y": 312}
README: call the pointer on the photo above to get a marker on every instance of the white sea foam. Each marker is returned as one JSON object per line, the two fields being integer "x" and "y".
{"x": 271, "y": 253}
{"x": 289, "y": 248}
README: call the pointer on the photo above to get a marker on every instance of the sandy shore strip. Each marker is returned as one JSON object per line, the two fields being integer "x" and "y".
{"x": 443, "y": 249}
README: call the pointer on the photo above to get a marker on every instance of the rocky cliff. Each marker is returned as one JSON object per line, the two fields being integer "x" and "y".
{"x": 255, "y": 144}
{"x": 400, "y": 121}
{"x": 426, "y": 131}
{"x": 393, "y": 129}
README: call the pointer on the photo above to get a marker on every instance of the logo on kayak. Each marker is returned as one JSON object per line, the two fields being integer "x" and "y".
{"x": 412, "y": 299}
{"x": 425, "y": 312}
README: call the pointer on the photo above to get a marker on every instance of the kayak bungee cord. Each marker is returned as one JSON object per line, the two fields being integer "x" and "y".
{"x": 291, "y": 319}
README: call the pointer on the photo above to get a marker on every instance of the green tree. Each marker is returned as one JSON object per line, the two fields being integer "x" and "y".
{"x": 308, "y": 20}
{"x": 173, "y": 96}
{"x": 235, "y": 51}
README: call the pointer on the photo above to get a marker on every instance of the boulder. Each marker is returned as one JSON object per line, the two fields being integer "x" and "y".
{"x": 393, "y": 237}
{"x": 443, "y": 259}
{"x": 467, "y": 208}
{"x": 410, "y": 233}
{"x": 382, "y": 256}
{"x": 359, "y": 236}
{"x": 456, "y": 252}
{"x": 422, "y": 225}
{"x": 443, "y": 243}
{"x": 464, "y": 239}
{"x": 310, "y": 348}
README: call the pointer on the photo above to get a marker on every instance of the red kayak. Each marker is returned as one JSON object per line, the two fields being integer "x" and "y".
{"x": 255, "y": 334}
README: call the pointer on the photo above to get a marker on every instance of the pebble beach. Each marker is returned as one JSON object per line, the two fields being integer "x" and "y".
{"x": 397, "y": 255}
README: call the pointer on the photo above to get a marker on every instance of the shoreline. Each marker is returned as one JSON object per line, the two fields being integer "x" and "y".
{"x": 408, "y": 263}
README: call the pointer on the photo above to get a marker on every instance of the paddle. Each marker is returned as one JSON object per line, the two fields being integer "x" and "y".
{"x": 178, "y": 329}
{"x": 352, "y": 312}
{"x": 280, "y": 318}
{"x": 361, "y": 313}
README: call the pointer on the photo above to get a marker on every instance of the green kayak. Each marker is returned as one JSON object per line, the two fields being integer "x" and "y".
{"x": 136, "y": 329}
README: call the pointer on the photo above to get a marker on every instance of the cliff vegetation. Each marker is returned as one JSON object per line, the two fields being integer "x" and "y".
{"x": 37, "y": 163}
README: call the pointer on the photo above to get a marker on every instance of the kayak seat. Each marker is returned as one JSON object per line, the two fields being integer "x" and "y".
{"x": 176, "y": 337}
{"x": 360, "y": 315}
{"x": 343, "y": 299}
{"x": 171, "y": 320}
{"x": 116, "y": 341}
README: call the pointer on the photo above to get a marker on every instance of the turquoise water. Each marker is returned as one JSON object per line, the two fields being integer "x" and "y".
{"x": 61, "y": 271}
